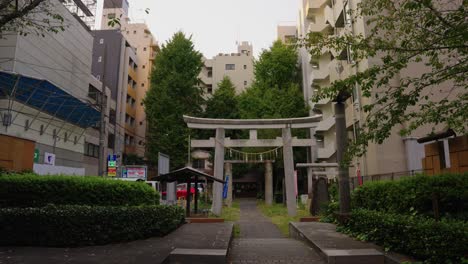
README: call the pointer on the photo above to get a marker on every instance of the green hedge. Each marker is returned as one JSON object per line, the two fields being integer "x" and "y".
{"x": 72, "y": 225}
{"x": 422, "y": 238}
{"x": 415, "y": 194}
{"x": 37, "y": 191}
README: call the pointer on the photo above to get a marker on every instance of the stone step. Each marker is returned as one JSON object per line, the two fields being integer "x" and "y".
{"x": 197, "y": 256}
{"x": 354, "y": 256}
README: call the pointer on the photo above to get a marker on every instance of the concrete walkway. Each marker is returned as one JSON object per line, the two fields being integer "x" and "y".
{"x": 261, "y": 241}
{"x": 148, "y": 251}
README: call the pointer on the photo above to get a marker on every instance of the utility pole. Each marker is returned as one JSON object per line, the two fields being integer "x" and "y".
{"x": 103, "y": 107}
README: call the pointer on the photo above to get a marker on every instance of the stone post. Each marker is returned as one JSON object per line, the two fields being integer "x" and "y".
{"x": 228, "y": 172}
{"x": 289, "y": 172}
{"x": 218, "y": 172}
{"x": 268, "y": 183}
{"x": 341, "y": 146}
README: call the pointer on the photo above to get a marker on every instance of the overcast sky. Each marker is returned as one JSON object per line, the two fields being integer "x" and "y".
{"x": 216, "y": 25}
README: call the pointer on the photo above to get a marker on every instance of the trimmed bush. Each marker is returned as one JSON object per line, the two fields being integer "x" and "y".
{"x": 423, "y": 238}
{"x": 73, "y": 225}
{"x": 415, "y": 194}
{"x": 37, "y": 191}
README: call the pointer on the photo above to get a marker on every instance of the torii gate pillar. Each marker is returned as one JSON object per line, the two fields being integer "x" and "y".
{"x": 289, "y": 172}
{"x": 218, "y": 172}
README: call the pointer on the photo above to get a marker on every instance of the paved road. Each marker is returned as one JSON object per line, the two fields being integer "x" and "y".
{"x": 261, "y": 241}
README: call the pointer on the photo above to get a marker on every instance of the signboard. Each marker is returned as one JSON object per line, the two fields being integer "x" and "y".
{"x": 36, "y": 155}
{"x": 137, "y": 172}
{"x": 225, "y": 187}
{"x": 112, "y": 165}
{"x": 49, "y": 158}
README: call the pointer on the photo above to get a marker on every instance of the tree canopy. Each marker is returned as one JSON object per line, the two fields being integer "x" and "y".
{"x": 24, "y": 17}
{"x": 174, "y": 92}
{"x": 277, "y": 66}
{"x": 223, "y": 103}
{"x": 427, "y": 35}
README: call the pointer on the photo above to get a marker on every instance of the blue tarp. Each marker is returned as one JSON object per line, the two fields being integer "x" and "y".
{"x": 47, "y": 97}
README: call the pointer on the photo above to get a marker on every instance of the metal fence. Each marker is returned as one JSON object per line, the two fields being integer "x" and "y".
{"x": 393, "y": 176}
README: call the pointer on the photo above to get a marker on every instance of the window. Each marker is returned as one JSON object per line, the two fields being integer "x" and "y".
{"x": 198, "y": 164}
{"x": 209, "y": 89}
{"x": 230, "y": 67}
{"x": 65, "y": 137}
{"x": 41, "y": 131}
{"x": 245, "y": 82}
{"x": 112, "y": 116}
{"x": 245, "y": 67}
{"x": 141, "y": 123}
{"x": 101, "y": 41}
{"x": 144, "y": 49}
{"x": 93, "y": 92}
{"x": 144, "y": 66}
{"x": 134, "y": 31}
{"x": 26, "y": 125}
{"x": 111, "y": 15}
{"x": 210, "y": 74}
{"x": 142, "y": 84}
{"x": 111, "y": 141}
{"x": 91, "y": 150}
{"x": 99, "y": 59}
{"x": 75, "y": 141}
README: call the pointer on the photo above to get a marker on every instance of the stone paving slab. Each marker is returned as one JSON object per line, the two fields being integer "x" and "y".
{"x": 253, "y": 224}
{"x": 270, "y": 250}
{"x": 151, "y": 251}
{"x": 325, "y": 238}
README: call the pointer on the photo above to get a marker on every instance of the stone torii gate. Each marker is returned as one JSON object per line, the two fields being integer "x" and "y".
{"x": 287, "y": 142}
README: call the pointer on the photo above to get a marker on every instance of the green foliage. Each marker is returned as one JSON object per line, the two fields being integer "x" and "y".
{"x": 36, "y": 191}
{"x": 415, "y": 194}
{"x": 423, "y": 238}
{"x": 23, "y": 17}
{"x": 223, "y": 103}
{"x": 277, "y": 67}
{"x": 73, "y": 225}
{"x": 429, "y": 36}
{"x": 133, "y": 159}
{"x": 174, "y": 92}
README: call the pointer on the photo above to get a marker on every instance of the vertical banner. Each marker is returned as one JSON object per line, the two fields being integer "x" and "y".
{"x": 225, "y": 187}
{"x": 359, "y": 177}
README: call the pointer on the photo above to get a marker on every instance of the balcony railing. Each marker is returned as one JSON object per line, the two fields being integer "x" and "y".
{"x": 314, "y": 6}
{"x": 327, "y": 152}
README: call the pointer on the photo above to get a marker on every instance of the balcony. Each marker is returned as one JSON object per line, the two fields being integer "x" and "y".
{"x": 313, "y": 6}
{"x": 326, "y": 152}
{"x": 322, "y": 102}
{"x": 338, "y": 14}
{"x": 339, "y": 70}
{"x": 326, "y": 124}
{"x": 321, "y": 26}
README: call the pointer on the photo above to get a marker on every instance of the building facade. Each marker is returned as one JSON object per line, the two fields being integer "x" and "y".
{"x": 397, "y": 153}
{"x": 44, "y": 105}
{"x": 237, "y": 66}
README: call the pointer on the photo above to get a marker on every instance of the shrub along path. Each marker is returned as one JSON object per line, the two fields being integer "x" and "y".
{"x": 151, "y": 251}
{"x": 262, "y": 242}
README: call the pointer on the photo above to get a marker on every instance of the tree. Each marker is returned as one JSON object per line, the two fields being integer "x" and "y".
{"x": 32, "y": 16}
{"x": 174, "y": 92}
{"x": 223, "y": 103}
{"x": 428, "y": 34}
{"x": 276, "y": 91}
{"x": 277, "y": 67}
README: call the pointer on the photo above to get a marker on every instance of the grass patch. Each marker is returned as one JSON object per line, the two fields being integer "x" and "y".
{"x": 278, "y": 213}
{"x": 236, "y": 230}
{"x": 231, "y": 214}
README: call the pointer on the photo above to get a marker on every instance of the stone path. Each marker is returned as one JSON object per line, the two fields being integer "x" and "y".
{"x": 261, "y": 241}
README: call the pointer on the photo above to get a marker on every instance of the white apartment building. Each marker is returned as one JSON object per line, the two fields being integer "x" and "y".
{"x": 396, "y": 154}
{"x": 237, "y": 66}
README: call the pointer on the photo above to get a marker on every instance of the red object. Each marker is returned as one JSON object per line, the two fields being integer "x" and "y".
{"x": 358, "y": 172}
{"x": 182, "y": 193}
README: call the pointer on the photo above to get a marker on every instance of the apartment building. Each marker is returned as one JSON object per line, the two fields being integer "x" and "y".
{"x": 114, "y": 63}
{"x": 286, "y": 33}
{"x": 44, "y": 86}
{"x": 237, "y": 66}
{"x": 145, "y": 47}
{"x": 396, "y": 154}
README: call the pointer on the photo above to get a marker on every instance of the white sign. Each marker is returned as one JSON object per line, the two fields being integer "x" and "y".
{"x": 136, "y": 172}
{"x": 49, "y": 158}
